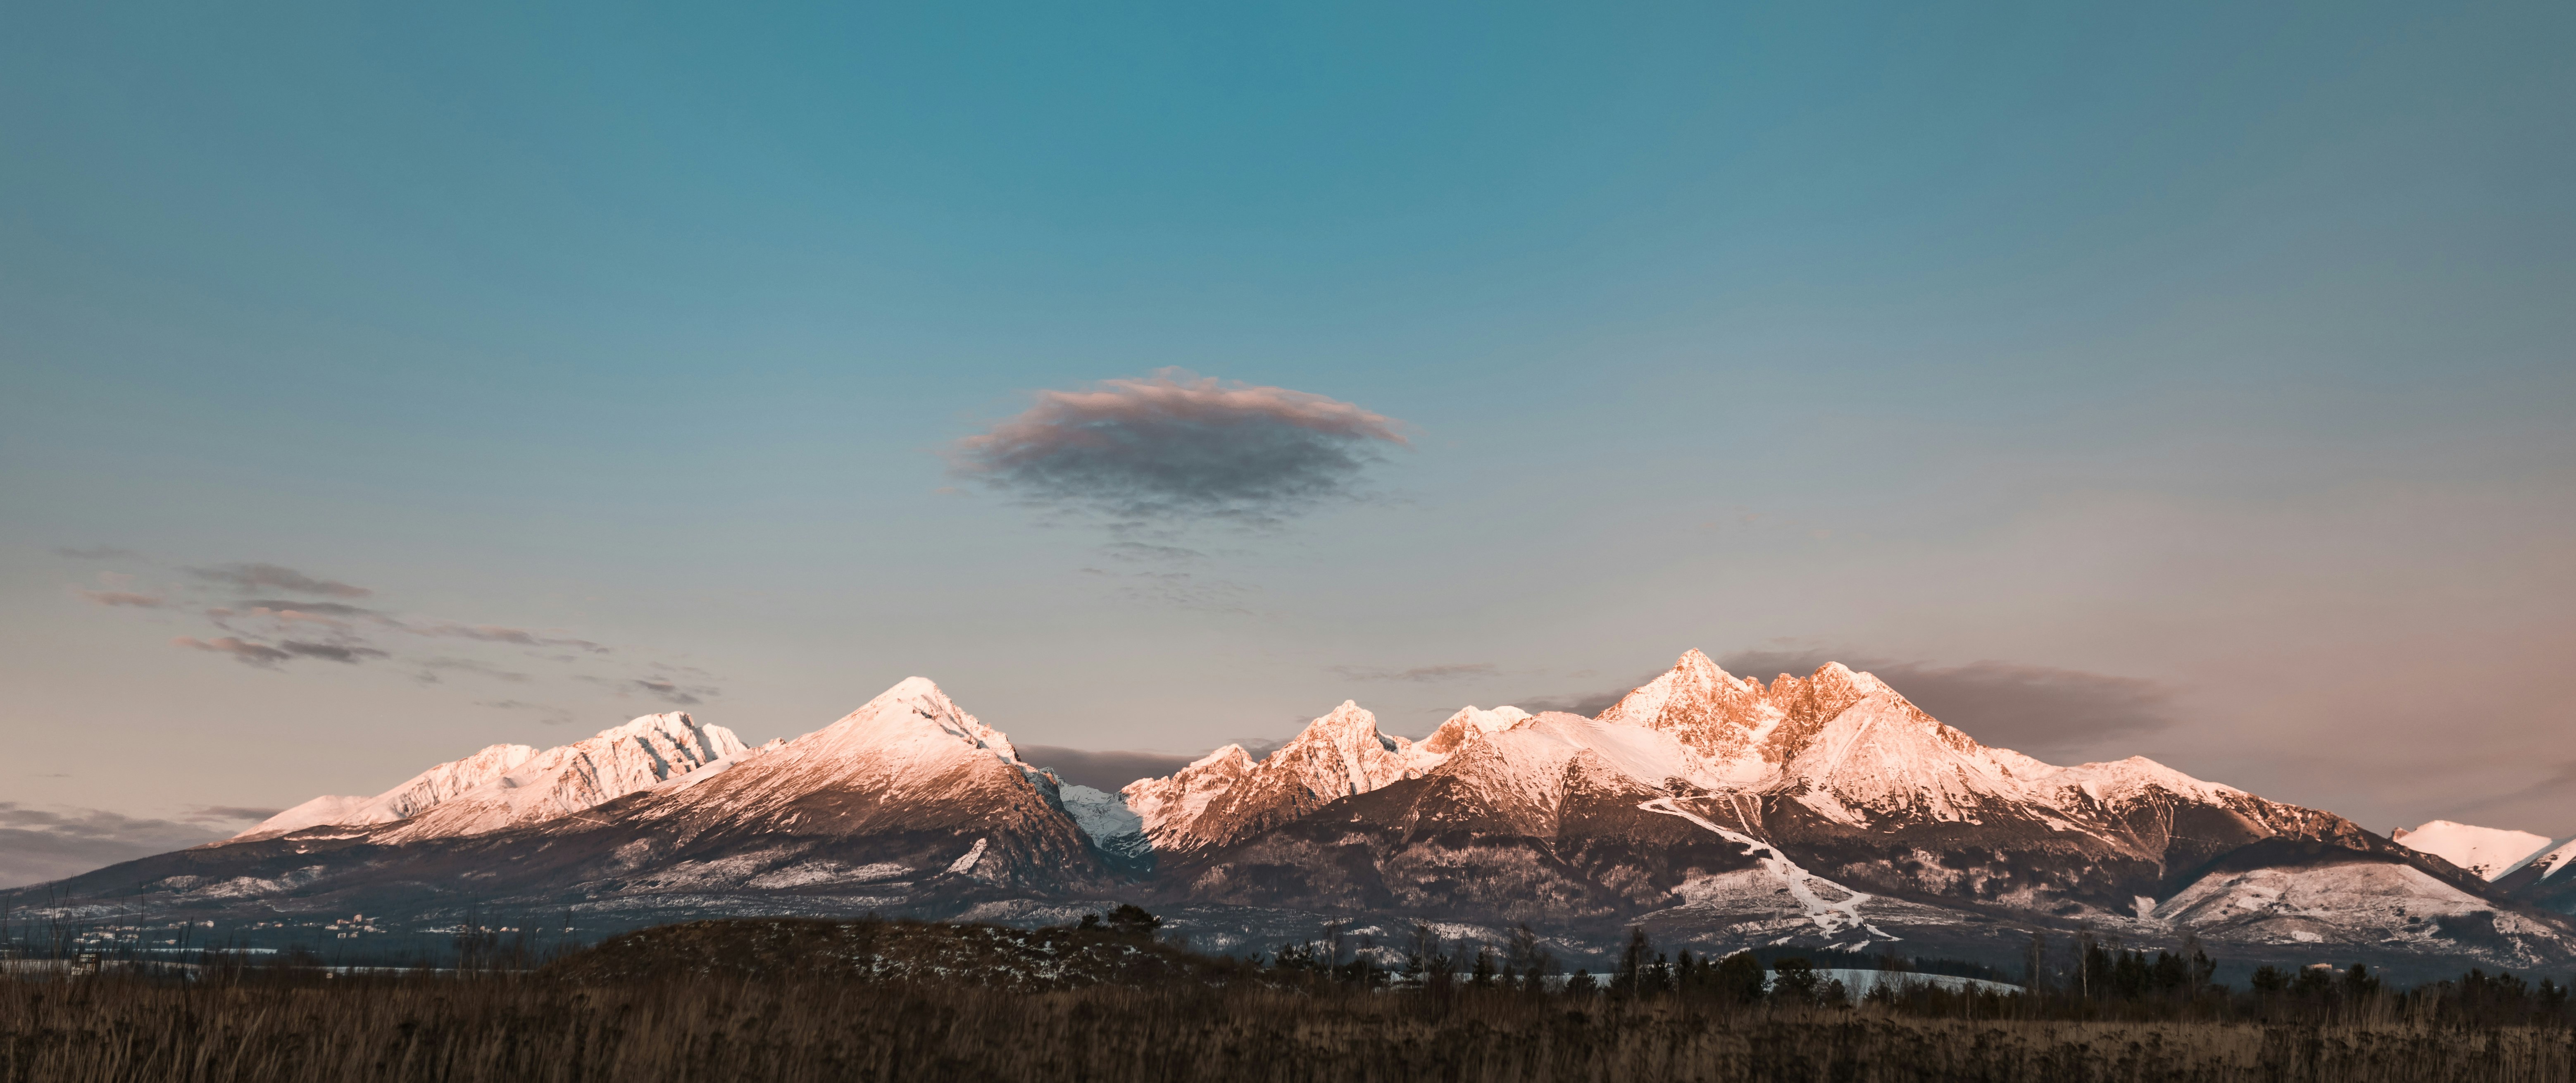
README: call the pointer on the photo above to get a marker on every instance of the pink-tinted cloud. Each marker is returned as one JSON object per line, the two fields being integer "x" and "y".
{"x": 669, "y": 692}
{"x": 1587, "y": 704}
{"x": 260, "y": 576}
{"x": 37, "y": 845}
{"x": 1417, "y": 674}
{"x": 242, "y": 650}
{"x": 345, "y": 653}
{"x": 496, "y": 633}
{"x": 121, "y": 597}
{"x": 1178, "y": 446}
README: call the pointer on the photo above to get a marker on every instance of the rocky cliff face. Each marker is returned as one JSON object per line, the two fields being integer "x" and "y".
{"x": 414, "y": 796}
{"x": 1831, "y": 811}
{"x": 1226, "y": 796}
{"x": 562, "y": 781}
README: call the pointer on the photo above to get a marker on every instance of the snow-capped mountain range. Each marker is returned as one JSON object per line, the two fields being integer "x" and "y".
{"x": 1825, "y": 811}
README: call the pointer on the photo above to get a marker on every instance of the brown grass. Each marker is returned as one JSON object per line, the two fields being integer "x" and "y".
{"x": 723, "y": 1029}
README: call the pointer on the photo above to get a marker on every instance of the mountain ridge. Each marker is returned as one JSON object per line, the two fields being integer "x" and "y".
{"x": 1824, "y": 810}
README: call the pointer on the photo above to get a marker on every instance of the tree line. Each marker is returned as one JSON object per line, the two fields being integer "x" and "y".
{"x": 2085, "y": 978}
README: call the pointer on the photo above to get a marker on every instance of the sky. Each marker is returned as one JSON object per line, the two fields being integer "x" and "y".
{"x": 2184, "y": 380}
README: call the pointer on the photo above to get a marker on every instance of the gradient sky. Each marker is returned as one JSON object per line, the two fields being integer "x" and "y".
{"x": 2186, "y": 380}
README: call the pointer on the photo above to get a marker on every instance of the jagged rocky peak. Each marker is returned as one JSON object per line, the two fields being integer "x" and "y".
{"x": 560, "y": 781}
{"x": 678, "y": 732}
{"x": 1227, "y": 794}
{"x": 407, "y": 799}
{"x": 1744, "y": 731}
{"x": 909, "y": 735}
{"x": 1805, "y": 706}
{"x": 1881, "y": 755}
{"x": 507, "y": 784}
{"x": 1467, "y": 725}
{"x": 1342, "y": 753}
{"x": 913, "y": 708}
{"x": 1170, "y": 804}
{"x": 434, "y": 786}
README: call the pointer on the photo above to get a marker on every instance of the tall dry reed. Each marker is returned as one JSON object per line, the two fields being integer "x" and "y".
{"x": 531, "y": 1030}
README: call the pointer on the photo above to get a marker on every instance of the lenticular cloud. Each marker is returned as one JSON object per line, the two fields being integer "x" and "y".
{"x": 1179, "y": 446}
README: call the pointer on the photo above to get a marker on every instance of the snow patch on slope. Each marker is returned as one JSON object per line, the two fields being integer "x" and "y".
{"x": 1462, "y": 728}
{"x": 2487, "y": 851}
{"x": 328, "y": 809}
{"x": 1106, "y": 818}
{"x": 1833, "y": 916}
{"x": 2352, "y": 902}
{"x": 2554, "y": 859}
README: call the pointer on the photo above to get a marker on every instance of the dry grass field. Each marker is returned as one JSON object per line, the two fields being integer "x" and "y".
{"x": 786, "y": 1002}
{"x": 491, "y": 1030}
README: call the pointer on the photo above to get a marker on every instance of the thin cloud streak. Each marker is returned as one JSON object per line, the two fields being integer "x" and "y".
{"x": 496, "y": 633}
{"x": 328, "y": 609}
{"x": 257, "y": 576}
{"x": 1418, "y": 674}
{"x": 37, "y": 845}
{"x": 243, "y": 651}
{"x": 331, "y": 652}
{"x": 220, "y": 814}
{"x": 2560, "y": 781}
{"x": 549, "y": 715}
{"x": 1143, "y": 553}
{"x": 1587, "y": 704}
{"x": 431, "y": 668}
{"x": 121, "y": 598}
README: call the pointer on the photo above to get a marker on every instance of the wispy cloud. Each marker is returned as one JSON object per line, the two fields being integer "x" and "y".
{"x": 95, "y": 552}
{"x": 548, "y": 714}
{"x": 2559, "y": 782}
{"x": 1142, "y": 553}
{"x": 669, "y": 692}
{"x": 242, "y": 650}
{"x": 497, "y": 633}
{"x": 275, "y": 620}
{"x": 431, "y": 668}
{"x": 1418, "y": 674}
{"x": 227, "y": 814}
{"x": 1180, "y": 590}
{"x": 330, "y": 652}
{"x": 270, "y": 628}
{"x": 1586, "y": 704}
{"x": 261, "y": 577}
{"x": 120, "y": 589}
{"x": 1176, "y": 446}
{"x": 328, "y": 609}
{"x": 658, "y": 687}
{"x": 122, "y": 597}
{"x": 37, "y": 845}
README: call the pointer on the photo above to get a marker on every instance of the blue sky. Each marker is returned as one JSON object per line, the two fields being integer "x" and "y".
{"x": 2214, "y": 351}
